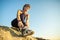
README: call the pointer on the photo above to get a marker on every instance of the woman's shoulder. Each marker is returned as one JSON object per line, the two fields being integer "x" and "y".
{"x": 20, "y": 11}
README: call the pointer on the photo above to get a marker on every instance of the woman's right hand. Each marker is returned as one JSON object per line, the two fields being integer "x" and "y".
{"x": 20, "y": 24}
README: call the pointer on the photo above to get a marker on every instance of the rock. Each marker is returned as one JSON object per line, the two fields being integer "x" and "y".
{"x": 12, "y": 33}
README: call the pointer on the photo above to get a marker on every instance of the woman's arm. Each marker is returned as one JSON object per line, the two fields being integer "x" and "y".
{"x": 18, "y": 15}
{"x": 27, "y": 20}
{"x": 20, "y": 24}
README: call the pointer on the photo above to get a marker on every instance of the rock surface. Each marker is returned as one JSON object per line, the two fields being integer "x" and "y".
{"x": 7, "y": 33}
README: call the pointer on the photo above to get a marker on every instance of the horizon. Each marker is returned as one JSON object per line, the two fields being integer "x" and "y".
{"x": 44, "y": 15}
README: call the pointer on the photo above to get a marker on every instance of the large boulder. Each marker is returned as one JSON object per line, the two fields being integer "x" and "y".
{"x": 11, "y": 33}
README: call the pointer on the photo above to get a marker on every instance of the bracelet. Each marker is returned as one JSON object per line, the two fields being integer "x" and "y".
{"x": 19, "y": 20}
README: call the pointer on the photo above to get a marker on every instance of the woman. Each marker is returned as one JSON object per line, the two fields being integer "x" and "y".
{"x": 22, "y": 20}
{"x": 22, "y": 17}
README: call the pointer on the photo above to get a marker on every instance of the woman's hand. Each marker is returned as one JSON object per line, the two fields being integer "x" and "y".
{"x": 20, "y": 24}
{"x": 27, "y": 25}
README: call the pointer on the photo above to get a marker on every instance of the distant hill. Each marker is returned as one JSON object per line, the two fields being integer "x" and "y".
{"x": 12, "y": 33}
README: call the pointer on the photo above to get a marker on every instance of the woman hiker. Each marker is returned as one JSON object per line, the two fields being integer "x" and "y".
{"x": 22, "y": 20}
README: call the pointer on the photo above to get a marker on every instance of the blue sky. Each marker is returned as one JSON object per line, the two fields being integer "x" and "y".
{"x": 44, "y": 15}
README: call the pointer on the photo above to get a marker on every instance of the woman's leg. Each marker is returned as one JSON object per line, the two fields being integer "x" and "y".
{"x": 14, "y": 23}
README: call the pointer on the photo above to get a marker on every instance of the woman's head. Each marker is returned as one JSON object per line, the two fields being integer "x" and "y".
{"x": 26, "y": 7}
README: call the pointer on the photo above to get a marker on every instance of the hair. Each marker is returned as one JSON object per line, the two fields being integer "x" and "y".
{"x": 26, "y": 5}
